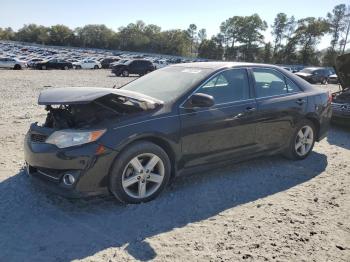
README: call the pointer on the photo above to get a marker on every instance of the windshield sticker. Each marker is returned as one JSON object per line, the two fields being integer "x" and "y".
{"x": 191, "y": 71}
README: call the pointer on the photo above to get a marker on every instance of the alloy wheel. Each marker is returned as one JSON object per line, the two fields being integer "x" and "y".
{"x": 143, "y": 175}
{"x": 304, "y": 141}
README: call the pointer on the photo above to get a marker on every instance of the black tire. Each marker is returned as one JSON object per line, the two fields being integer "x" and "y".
{"x": 96, "y": 67}
{"x": 122, "y": 161}
{"x": 43, "y": 67}
{"x": 78, "y": 67}
{"x": 17, "y": 67}
{"x": 65, "y": 68}
{"x": 125, "y": 73}
{"x": 291, "y": 152}
{"x": 324, "y": 81}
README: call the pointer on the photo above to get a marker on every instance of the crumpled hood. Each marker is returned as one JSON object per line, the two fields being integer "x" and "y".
{"x": 342, "y": 66}
{"x": 85, "y": 95}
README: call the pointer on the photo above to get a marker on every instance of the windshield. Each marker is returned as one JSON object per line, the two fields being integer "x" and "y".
{"x": 168, "y": 83}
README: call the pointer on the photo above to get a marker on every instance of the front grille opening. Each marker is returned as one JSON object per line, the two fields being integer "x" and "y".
{"x": 38, "y": 138}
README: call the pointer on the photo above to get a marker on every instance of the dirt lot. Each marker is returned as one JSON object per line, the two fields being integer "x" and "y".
{"x": 269, "y": 209}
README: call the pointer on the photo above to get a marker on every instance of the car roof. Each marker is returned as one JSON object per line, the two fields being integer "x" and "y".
{"x": 221, "y": 65}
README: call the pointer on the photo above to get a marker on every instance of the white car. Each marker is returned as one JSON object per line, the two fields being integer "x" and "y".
{"x": 160, "y": 63}
{"x": 12, "y": 63}
{"x": 87, "y": 64}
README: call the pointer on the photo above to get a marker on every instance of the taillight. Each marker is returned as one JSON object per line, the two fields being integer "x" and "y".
{"x": 330, "y": 97}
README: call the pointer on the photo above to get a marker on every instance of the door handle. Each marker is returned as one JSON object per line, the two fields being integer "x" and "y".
{"x": 250, "y": 109}
{"x": 246, "y": 111}
{"x": 300, "y": 101}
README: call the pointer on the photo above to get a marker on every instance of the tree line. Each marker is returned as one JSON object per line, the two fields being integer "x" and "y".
{"x": 240, "y": 38}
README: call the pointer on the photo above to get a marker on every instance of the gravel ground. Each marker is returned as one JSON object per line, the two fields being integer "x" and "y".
{"x": 269, "y": 209}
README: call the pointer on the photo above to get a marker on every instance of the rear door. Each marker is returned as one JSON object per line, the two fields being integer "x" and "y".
{"x": 133, "y": 67}
{"x": 281, "y": 104}
{"x": 225, "y": 130}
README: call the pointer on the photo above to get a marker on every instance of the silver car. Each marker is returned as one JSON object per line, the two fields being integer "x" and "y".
{"x": 11, "y": 63}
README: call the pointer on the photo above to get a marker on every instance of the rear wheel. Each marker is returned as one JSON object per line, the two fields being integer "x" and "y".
{"x": 96, "y": 67}
{"x": 125, "y": 73}
{"x": 302, "y": 141}
{"x": 65, "y": 67}
{"x": 43, "y": 67}
{"x": 140, "y": 173}
{"x": 17, "y": 67}
{"x": 324, "y": 81}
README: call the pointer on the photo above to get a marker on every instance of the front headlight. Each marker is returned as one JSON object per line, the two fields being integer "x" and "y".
{"x": 68, "y": 138}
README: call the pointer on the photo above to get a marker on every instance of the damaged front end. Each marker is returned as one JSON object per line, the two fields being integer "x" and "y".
{"x": 64, "y": 151}
{"x": 341, "y": 99}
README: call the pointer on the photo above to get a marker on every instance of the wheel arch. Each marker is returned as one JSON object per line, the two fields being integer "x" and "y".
{"x": 314, "y": 119}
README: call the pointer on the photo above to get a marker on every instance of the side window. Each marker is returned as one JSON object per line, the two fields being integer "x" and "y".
{"x": 228, "y": 86}
{"x": 291, "y": 86}
{"x": 269, "y": 82}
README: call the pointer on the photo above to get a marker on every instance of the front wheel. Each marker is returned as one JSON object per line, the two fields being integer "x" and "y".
{"x": 140, "y": 173}
{"x": 96, "y": 67}
{"x": 125, "y": 73}
{"x": 17, "y": 67}
{"x": 302, "y": 141}
{"x": 65, "y": 68}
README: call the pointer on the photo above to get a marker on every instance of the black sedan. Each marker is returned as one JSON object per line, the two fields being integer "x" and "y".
{"x": 315, "y": 75}
{"x": 54, "y": 64}
{"x": 180, "y": 119}
{"x": 139, "y": 67}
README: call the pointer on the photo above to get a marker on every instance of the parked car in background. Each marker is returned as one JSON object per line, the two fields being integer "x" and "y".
{"x": 11, "y": 63}
{"x": 175, "y": 120}
{"x": 31, "y": 63}
{"x": 107, "y": 61}
{"x": 121, "y": 61}
{"x": 137, "y": 66}
{"x": 314, "y": 75}
{"x": 333, "y": 79}
{"x": 341, "y": 99}
{"x": 160, "y": 63}
{"x": 54, "y": 64}
{"x": 87, "y": 64}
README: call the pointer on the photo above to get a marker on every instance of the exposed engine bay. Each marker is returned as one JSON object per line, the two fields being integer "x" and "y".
{"x": 87, "y": 108}
{"x": 342, "y": 96}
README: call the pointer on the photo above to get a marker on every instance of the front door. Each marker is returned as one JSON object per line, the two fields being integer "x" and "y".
{"x": 224, "y": 130}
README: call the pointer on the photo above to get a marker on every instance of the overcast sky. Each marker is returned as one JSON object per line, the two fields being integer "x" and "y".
{"x": 166, "y": 14}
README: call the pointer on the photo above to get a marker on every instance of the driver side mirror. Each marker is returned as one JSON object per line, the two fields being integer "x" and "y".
{"x": 200, "y": 100}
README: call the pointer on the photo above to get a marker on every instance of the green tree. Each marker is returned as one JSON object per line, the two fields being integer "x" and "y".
{"x": 250, "y": 35}
{"x": 98, "y": 36}
{"x": 192, "y": 32}
{"x": 279, "y": 28}
{"x": 210, "y": 49}
{"x": 346, "y": 30}
{"x": 202, "y": 35}
{"x": 60, "y": 35}
{"x": 309, "y": 32}
{"x": 7, "y": 33}
{"x": 336, "y": 25}
{"x": 267, "y": 58}
{"x": 33, "y": 33}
